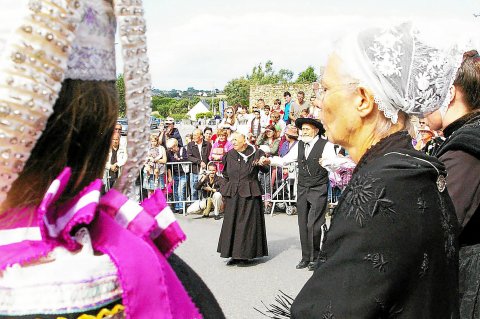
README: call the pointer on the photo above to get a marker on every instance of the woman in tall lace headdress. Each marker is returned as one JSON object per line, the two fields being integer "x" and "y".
{"x": 390, "y": 248}
{"x": 66, "y": 250}
{"x": 460, "y": 122}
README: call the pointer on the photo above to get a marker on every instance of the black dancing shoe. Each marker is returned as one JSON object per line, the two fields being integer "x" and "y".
{"x": 302, "y": 264}
{"x": 217, "y": 217}
{"x": 232, "y": 262}
{"x": 312, "y": 266}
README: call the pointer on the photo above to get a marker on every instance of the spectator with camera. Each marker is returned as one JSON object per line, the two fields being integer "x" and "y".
{"x": 170, "y": 131}
{"x": 210, "y": 184}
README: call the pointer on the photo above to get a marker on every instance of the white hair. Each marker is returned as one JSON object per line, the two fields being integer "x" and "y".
{"x": 171, "y": 142}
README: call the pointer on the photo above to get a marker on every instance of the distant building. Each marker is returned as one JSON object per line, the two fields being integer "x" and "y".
{"x": 200, "y": 107}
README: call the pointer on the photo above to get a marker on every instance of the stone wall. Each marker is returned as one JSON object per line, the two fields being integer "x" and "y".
{"x": 271, "y": 92}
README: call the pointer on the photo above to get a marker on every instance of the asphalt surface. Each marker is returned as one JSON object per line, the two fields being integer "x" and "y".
{"x": 239, "y": 289}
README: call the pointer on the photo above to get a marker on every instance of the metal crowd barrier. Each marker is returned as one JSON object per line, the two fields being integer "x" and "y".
{"x": 179, "y": 184}
{"x": 279, "y": 188}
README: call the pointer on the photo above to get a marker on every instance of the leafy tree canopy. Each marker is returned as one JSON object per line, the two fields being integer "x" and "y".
{"x": 265, "y": 74}
{"x": 237, "y": 91}
{"x": 307, "y": 76}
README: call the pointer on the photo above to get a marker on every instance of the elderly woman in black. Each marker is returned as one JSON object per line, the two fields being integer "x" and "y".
{"x": 391, "y": 249}
{"x": 243, "y": 236}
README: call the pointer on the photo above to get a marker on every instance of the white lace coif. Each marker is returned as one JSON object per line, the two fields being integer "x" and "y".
{"x": 403, "y": 71}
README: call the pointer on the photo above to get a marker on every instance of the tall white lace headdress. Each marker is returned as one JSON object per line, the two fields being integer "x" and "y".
{"x": 58, "y": 39}
{"x": 403, "y": 69}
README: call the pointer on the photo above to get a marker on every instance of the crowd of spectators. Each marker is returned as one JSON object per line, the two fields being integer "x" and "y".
{"x": 180, "y": 168}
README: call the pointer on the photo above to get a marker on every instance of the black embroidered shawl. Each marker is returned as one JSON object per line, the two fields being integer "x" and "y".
{"x": 391, "y": 250}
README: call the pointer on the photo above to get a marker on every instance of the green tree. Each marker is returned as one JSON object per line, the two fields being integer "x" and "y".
{"x": 122, "y": 105}
{"x": 307, "y": 76}
{"x": 237, "y": 91}
{"x": 267, "y": 75}
{"x": 284, "y": 76}
{"x": 164, "y": 111}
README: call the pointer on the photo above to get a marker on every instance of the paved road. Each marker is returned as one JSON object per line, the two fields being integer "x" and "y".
{"x": 239, "y": 289}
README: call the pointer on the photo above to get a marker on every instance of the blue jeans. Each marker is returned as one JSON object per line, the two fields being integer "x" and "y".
{"x": 179, "y": 190}
{"x": 193, "y": 180}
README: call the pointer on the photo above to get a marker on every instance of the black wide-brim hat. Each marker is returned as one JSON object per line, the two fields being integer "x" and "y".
{"x": 307, "y": 120}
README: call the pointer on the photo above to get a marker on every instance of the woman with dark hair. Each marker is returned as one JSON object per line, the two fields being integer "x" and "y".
{"x": 65, "y": 250}
{"x": 76, "y": 145}
{"x": 269, "y": 139}
{"x": 460, "y": 122}
{"x": 277, "y": 107}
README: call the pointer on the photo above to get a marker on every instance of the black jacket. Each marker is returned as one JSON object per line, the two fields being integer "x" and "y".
{"x": 238, "y": 179}
{"x": 195, "y": 157}
{"x": 172, "y": 158}
{"x": 391, "y": 251}
{"x": 461, "y": 155}
{"x": 174, "y": 134}
{"x": 201, "y": 184}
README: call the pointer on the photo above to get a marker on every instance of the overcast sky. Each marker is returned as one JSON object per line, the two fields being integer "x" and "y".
{"x": 205, "y": 43}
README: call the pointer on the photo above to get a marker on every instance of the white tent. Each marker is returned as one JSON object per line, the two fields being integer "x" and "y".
{"x": 200, "y": 107}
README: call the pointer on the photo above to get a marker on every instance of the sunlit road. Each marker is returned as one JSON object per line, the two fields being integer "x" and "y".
{"x": 239, "y": 289}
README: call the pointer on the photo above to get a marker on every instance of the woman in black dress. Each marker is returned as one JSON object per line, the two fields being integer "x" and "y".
{"x": 243, "y": 234}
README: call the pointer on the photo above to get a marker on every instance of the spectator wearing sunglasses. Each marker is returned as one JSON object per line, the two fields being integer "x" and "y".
{"x": 229, "y": 119}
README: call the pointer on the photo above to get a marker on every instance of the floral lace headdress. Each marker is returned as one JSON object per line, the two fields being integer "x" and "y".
{"x": 405, "y": 71}
{"x": 59, "y": 39}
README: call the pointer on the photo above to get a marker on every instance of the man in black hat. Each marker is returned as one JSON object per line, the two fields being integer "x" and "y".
{"x": 312, "y": 186}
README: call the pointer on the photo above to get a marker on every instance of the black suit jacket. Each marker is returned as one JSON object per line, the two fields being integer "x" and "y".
{"x": 195, "y": 157}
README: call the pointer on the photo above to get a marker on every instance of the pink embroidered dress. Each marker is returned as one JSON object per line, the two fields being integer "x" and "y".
{"x": 90, "y": 253}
